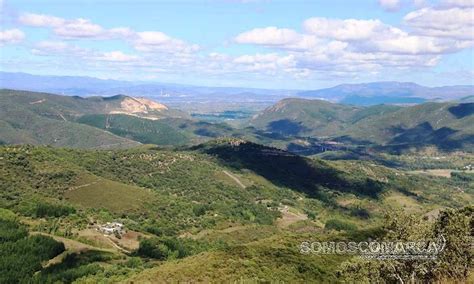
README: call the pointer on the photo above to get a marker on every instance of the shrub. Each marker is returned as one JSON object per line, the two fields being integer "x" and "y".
{"x": 52, "y": 210}
{"x": 360, "y": 212}
{"x": 338, "y": 225}
{"x": 165, "y": 248}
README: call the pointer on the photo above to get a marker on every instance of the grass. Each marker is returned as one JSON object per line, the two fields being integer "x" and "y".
{"x": 108, "y": 194}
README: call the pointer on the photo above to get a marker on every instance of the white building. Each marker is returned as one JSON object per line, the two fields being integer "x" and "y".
{"x": 112, "y": 228}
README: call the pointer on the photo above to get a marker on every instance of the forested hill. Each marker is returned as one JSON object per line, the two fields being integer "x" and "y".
{"x": 447, "y": 126}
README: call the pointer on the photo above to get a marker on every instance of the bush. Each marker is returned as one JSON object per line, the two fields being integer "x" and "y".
{"x": 52, "y": 210}
{"x": 461, "y": 176}
{"x": 200, "y": 209}
{"x": 11, "y": 231}
{"x": 338, "y": 225}
{"x": 166, "y": 248}
{"x": 360, "y": 212}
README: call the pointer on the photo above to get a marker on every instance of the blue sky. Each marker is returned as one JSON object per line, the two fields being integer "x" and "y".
{"x": 248, "y": 43}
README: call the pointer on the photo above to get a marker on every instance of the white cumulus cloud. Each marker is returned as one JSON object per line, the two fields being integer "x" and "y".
{"x": 117, "y": 56}
{"x": 40, "y": 20}
{"x": 147, "y": 41}
{"x": 390, "y": 5}
{"x": 11, "y": 36}
{"x": 450, "y": 22}
{"x": 345, "y": 30}
{"x": 150, "y": 41}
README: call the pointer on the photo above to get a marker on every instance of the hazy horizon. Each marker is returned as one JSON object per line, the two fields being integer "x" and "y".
{"x": 248, "y": 44}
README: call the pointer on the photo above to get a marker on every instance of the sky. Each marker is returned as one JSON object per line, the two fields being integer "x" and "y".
{"x": 243, "y": 43}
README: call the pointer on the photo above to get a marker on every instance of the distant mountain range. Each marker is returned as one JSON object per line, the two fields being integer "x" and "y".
{"x": 170, "y": 94}
{"x": 178, "y": 95}
{"x": 388, "y": 92}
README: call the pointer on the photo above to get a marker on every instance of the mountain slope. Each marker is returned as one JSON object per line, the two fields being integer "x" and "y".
{"x": 182, "y": 211}
{"x": 300, "y": 117}
{"x": 313, "y": 117}
{"x": 40, "y": 118}
{"x": 445, "y": 125}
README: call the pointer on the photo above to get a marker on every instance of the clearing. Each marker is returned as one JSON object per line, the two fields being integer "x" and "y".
{"x": 94, "y": 192}
{"x": 289, "y": 216}
{"x": 236, "y": 179}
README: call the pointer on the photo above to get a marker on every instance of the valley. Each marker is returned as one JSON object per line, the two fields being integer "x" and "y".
{"x": 234, "y": 190}
{"x": 236, "y": 141}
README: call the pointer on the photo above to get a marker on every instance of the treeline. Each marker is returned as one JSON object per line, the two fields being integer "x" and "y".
{"x": 21, "y": 255}
{"x": 167, "y": 248}
{"x": 41, "y": 209}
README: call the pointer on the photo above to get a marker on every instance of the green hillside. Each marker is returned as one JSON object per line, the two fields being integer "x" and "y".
{"x": 232, "y": 204}
{"x": 448, "y": 126}
{"x": 94, "y": 122}
{"x": 19, "y": 125}
{"x": 138, "y": 129}
{"x": 304, "y": 117}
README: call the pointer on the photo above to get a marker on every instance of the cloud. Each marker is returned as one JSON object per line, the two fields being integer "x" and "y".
{"x": 80, "y": 28}
{"x": 457, "y": 3}
{"x": 346, "y": 46}
{"x": 11, "y": 36}
{"x": 40, "y": 20}
{"x": 390, "y": 5}
{"x": 117, "y": 56}
{"x": 351, "y": 34}
{"x": 268, "y": 36}
{"x": 147, "y": 41}
{"x": 276, "y": 37}
{"x": 265, "y": 61}
{"x": 452, "y": 21}
{"x": 65, "y": 49}
{"x": 150, "y": 41}
{"x": 345, "y": 30}
{"x": 75, "y": 28}
{"x": 325, "y": 46}
{"x": 55, "y": 48}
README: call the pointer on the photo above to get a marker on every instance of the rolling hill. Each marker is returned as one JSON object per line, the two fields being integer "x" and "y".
{"x": 231, "y": 205}
{"x": 35, "y": 118}
{"x": 447, "y": 126}
{"x": 117, "y": 121}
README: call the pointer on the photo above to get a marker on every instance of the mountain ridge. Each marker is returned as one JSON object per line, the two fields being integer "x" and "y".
{"x": 447, "y": 125}
{"x": 354, "y": 93}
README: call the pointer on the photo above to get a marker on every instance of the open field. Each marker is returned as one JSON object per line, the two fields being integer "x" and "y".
{"x": 440, "y": 172}
{"x": 94, "y": 192}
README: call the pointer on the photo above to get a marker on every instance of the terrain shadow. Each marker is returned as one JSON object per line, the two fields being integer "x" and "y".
{"x": 286, "y": 126}
{"x": 462, "y": 110}
{"x": 292, "y": 171}
{"x": 424, "y": 135}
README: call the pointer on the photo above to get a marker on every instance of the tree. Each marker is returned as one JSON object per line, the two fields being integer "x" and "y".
{"x": 453, "y": 263}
